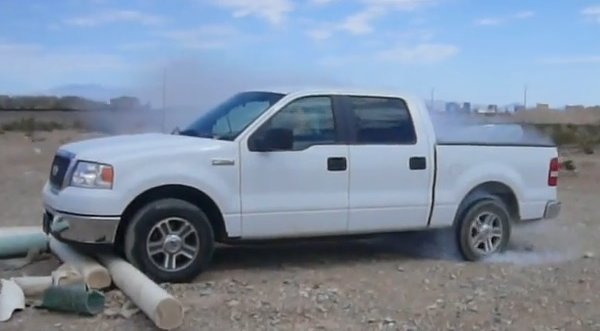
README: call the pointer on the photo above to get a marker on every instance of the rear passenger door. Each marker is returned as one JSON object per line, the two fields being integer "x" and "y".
{"x": 390, "y": 173}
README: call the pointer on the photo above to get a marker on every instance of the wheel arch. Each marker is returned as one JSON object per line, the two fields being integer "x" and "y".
{"x": 489, "y": 189}
{"x": 177, "y": 191}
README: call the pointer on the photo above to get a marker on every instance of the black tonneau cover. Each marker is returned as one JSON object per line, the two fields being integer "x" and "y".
{"x": 492, "y": 134}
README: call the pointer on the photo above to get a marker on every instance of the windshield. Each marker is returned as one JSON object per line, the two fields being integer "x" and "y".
{"x": 230, "y": 118}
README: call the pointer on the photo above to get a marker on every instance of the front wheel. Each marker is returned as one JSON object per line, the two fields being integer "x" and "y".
{"x": 483, "y": 229}
{"x": 170, "y": 240}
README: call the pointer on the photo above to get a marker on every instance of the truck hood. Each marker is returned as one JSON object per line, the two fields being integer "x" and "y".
{"x": 107, "y": 149}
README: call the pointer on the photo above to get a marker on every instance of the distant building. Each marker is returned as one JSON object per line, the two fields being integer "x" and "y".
{"x": 574, "y": 107}
{"x": 483, "y": 110}
{"x": 466, "y": 107}
{"x": 452, "y": 107}
{"x": 519, "y": 108}
{"x": 492, "y": 108}
{"x": 125, "y": 103}
{"x": 542, "y": 106}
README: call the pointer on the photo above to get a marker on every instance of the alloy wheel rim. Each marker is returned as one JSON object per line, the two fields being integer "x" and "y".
{"x": 172, "y": 244}
{"x": 485, "y": 233}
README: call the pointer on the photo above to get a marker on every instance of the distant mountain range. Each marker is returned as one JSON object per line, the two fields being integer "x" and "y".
{"x": 105, "y": 93}
{"x": 88, "y": 91}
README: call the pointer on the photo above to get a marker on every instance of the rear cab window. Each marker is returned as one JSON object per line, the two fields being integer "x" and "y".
{"x": 380, "y": 120}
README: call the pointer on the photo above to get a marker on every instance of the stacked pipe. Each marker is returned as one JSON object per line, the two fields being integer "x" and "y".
{"x": 75, "y": 285}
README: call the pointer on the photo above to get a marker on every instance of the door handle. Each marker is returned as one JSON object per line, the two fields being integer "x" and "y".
{"x": 222, "y": 162}
{"x": 337, "y": 164}
{"x": 417, "y": 163}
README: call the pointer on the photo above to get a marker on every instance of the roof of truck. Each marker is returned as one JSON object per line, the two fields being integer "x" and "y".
{"x": 335, "y": 90}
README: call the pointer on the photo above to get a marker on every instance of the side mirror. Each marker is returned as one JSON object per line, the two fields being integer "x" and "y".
{"x": 273, "y": 139}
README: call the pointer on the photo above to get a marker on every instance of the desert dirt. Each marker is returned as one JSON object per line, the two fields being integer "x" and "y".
{"x": 549, "y": 279}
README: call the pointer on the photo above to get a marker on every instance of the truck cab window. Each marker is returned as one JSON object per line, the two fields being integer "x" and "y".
{"x": 229, "y": 118}
{"x": 311, "y": 120}
{"x": 379, "y": 120}
{"x": 238, "y": 117}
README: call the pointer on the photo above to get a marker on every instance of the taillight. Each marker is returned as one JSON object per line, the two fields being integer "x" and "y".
{"x": 553, "y": 172}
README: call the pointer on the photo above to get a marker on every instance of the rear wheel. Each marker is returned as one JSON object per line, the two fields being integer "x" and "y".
{"x": 170, "y": 240}
{"x": 483, "y": 229}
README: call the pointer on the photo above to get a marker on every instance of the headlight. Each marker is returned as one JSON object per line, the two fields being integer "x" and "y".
{"x": 92, "y": 175}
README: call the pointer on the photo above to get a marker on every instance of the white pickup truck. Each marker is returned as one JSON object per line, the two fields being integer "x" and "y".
{"x": 303, "y": 163}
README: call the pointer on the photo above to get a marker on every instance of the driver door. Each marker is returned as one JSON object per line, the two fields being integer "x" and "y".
{"x": 301, "y": 190}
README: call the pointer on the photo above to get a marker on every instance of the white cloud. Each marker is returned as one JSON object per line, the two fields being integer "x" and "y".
{"x": 114, "y": 16}
{"x": 54, "y": 27}
{"x": 399, "y": 4}
{"x": 321, "y": 2}
{"x": 339, "y": 60}
{"x": 489, "y": 21}
{"x": 592, "y": 13}
{"x": 34, "y": 58}
{"x": 138, "y": 46}
{"x": 203, "y": 37}
{"x": 33, "y": 64}
{"x": 361, "y": 22}
{"x": 274, "y": 11}
{"x": 320, "y": 34}
{"x": 16, "y": 48}
{"x": 421, "y": 53}
{"x": 584, "y": 59}
{"x": 525, "y": 14}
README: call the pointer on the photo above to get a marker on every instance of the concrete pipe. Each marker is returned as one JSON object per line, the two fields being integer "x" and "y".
{"x": 94, "y": 274}
{"x": 35, "y": 286}
{"x": 20, "y": 240}
{"x": 163, "y": 309}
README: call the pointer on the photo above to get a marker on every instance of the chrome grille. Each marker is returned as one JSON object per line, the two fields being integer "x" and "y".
{"x": 59, "y": 168}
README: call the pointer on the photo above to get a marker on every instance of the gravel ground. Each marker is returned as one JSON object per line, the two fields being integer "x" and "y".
{"x": 548, "y": 280}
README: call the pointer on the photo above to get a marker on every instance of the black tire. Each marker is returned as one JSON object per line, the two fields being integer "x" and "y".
{"x": 141, "y": 227}
{"x": 467, "y": 217}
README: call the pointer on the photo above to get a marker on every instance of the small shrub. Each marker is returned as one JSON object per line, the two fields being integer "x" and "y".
{"x": 30, "y": 125}
{"x": 587, "y": 148}
{"x": 586, "y": 143}
{"x": 568, "y": 165}
{"x": 49, "y": 126}
{"x": 564, "y": 137}
{"x": 23, "y": 124}
{"x": 78, "y": 125}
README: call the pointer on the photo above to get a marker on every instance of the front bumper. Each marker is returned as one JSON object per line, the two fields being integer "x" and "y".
{"x": 81, "y": 229}
{"x": 552, "y": 209}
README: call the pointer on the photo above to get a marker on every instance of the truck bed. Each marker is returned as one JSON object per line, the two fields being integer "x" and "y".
{"x": 514, "y": 162}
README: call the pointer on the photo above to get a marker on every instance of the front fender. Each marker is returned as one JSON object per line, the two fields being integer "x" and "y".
{"x": 221, "y": 184}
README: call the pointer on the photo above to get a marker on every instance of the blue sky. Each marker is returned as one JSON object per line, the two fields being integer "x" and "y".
{"x": 474, "y": 50}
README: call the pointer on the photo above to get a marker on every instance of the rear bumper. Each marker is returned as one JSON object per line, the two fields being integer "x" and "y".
{"x": 80, "y": 229}
{"x": 552, "y": 209}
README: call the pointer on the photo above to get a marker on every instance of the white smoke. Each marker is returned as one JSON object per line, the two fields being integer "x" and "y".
{"x": 188, "y": 87}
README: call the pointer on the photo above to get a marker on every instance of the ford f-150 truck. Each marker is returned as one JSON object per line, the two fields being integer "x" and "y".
{"x": 270, "y": 164}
